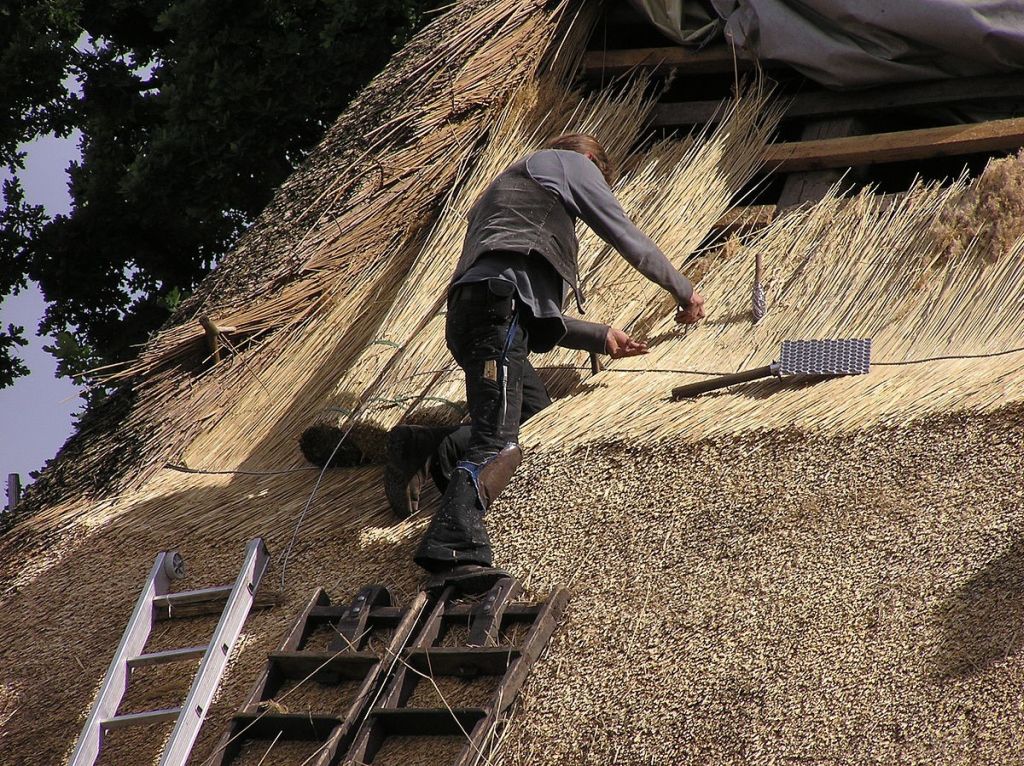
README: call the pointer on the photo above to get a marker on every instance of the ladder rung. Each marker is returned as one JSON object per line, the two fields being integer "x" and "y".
{"x": 380, "y": 616}
{"x": 513, "y": 613}
{"x": 149, "y": 716}
{"x": 170, "y": 655}
{"x": 202, "y": 595}
{"x": 462, "y": 661}
{"x": 426, "y": 721}
{"x": 324, "y": 666}
{"x": 291, "y": 726}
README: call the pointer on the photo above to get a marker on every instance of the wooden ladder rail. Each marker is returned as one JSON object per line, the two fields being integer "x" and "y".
{"x": 129, "y": 655}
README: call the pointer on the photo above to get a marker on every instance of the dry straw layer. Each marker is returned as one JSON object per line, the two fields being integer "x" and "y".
{"x": 778, "y": 598}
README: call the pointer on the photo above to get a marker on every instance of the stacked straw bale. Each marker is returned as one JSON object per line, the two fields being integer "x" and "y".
{"x": 778, "y": 573}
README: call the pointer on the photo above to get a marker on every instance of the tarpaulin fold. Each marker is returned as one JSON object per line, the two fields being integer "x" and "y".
{"x": 858, "y": 43}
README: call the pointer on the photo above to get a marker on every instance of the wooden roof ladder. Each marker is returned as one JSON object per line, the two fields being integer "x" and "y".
{"x": 155, "y": 601}
{"x": 387, "y": 675}
{"x": 487, "y": 652}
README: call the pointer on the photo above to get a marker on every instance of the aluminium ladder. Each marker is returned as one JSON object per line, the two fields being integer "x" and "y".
{"x": 153, "y": 602}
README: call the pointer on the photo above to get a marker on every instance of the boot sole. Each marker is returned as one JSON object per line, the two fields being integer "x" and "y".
{"x": 469, "y": 583}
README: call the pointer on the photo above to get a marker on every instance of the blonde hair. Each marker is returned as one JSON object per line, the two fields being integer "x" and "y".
{"x": 584, "y": 144}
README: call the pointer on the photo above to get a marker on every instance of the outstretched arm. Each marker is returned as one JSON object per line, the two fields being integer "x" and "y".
{"x": 586, "y": 194}
{"x": 583, "y": 335}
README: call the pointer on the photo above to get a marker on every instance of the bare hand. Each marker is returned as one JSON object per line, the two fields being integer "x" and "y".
{"x": 618, "y": 344}
{"x": 694, "y": 310}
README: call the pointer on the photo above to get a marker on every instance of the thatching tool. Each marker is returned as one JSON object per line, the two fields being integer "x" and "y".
{"x": 822, "y": 358}
{"x": 759, "y": 305}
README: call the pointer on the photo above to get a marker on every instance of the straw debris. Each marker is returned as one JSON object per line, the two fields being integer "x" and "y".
{"x": 989, "y": 218}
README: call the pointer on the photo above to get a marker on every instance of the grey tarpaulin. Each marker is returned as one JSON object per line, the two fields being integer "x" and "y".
{"x": 687, "y": 22}
{"x": 858, "y": 43}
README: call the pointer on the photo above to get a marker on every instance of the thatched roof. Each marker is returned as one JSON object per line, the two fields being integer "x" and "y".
{"x": 778, "y": 573}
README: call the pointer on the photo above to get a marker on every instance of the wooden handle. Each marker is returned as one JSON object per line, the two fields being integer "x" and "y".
{"x": 694, "y": 389}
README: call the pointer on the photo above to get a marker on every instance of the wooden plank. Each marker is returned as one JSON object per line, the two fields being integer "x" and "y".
{"x": 380, "y": 617}
{"x": 425, "y": 721}
{"x": 833, "y": 104}
{"x": 514, "y": 612}
{"x": 308, "y": 727}
{"x": 463, "y": 662}
{"x": 324, "y": 667}
{"x": 217, "y": 594}
{"x": 201, "y": 608}
{"x": 995, "y": 135}
{"x": 711, "y": 60}
{"x": 813, "y": 185}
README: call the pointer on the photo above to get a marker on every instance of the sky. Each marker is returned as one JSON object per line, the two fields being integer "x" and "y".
{"x": 36, "y": 412}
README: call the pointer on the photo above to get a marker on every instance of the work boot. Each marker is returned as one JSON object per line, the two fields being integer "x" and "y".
{"x": 456, "y": 535}
{"x": 468, "y": 579}
{"x": 409, "y": 452}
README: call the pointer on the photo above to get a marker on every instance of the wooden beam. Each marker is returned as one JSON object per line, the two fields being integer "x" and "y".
{"x": 813, "y": 185}
{"x": 829, "y": 103}
{"x": 995, "y": 135}
{"x": 743, "y": 219}
{"x": 716, "y": 59}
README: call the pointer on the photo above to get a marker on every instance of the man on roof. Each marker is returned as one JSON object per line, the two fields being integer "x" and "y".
{"x": 519, "y": 261}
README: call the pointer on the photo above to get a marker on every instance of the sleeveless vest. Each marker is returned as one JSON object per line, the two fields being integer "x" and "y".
{"x": 516, "y": 214}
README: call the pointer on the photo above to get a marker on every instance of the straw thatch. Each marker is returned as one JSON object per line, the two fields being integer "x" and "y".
{"x": 782, "y": 572}
{"x": 342, "y": 231}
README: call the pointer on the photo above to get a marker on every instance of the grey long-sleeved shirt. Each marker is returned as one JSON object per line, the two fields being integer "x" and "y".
{"x": 582, "y": 188}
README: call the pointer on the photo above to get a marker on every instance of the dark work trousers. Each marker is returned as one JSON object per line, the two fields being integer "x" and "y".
{"x": 455, "y": 446}
{"x": 488, "y": 337}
